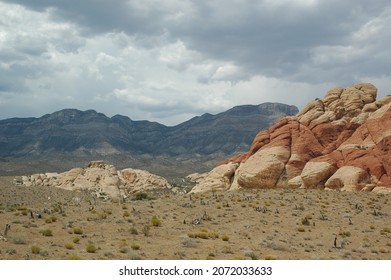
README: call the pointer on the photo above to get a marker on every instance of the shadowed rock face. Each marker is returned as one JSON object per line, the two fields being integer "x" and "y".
{"x": 340, "y": 142}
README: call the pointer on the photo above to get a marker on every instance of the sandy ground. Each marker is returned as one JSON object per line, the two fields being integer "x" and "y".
{"x": 259, "y": 224}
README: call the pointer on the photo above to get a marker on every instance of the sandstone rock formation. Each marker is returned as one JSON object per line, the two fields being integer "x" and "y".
{"x": 102, "y": 179}
{"x": 340, "y": 142}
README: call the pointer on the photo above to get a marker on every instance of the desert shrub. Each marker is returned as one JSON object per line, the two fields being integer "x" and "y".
{"x": 146, "y": 230}
{"x": 123, "y": 243}
{"x": 126, "y": 214}
{"x": 270, "y": 258}
{"x": 305, "y": 221}
{"x": 77, "y": 231}
{"x": 35, "y": 249}
{"x": 133, "y": 255}
{"x": 69, "y": 246}
{"x": 134, "y": 231}
{"x": 203, "y": 233}
{"x": 47, "y": 232}
{"x": 19, "y": 240}
{"x": 124, "y": 250}
{"x": 384, "y": 250}
{"x": 155, "y": 221}
{"x": 344, "y": 233}
{"x": 76, "y": 239}
{"x": 91, "y": 248}
{"x": 225, "y": 237}
{"x": 51, "y": 219}
{"x": 385, "y": 230}
{"x": 141, "y": 196}
{"x": 135, "y": 246}
{"x": 74, "y": 257}
{"x": 251, "y": 255}
{"x": 301, "y": 229}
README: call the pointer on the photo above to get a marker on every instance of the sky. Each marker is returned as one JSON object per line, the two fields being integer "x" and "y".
{"x": 170, "y": 60}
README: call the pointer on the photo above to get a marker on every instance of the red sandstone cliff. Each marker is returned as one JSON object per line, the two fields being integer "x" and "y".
{"x": 340, "y": 142}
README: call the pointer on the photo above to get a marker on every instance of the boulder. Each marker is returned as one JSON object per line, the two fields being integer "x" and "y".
{"x": 101, "y": 179}
{"x": 219, "y": 178}
{"x": 342, "y": 142}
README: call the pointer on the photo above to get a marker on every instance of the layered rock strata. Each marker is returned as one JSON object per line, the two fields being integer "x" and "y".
{"x": 340, "y": 142}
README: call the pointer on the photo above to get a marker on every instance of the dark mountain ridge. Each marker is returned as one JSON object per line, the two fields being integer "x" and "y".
{"x": 81, "y": 135}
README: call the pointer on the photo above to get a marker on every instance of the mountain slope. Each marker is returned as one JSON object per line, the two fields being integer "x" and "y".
{"x": 86, "y": 135}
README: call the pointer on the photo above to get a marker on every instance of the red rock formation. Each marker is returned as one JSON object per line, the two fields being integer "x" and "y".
{"x": 340, "y": 142}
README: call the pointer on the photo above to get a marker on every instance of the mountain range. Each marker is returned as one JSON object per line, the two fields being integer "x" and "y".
{"x": 71, "y": 137}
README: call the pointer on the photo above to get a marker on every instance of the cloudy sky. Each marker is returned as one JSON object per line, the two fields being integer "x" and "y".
{"x": 170, "y": 60}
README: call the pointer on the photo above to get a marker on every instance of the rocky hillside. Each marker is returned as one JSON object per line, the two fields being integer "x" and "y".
{"x": 342, "y": 142}
{"x": 71, "y": 137}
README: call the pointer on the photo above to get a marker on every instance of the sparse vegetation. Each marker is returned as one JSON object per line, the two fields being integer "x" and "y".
{"x": 77, "y": 231}
{"x": 155, "y": 221}
{"x": 225, "y": 237}
{"x": 135, "y": 246}
{"x": 201, "y": 226}
{"x": 35, "y": 249}
{"x": 47, "y": 232}
{"x": 69, "y": 246}
{"x": 91, "y": 248}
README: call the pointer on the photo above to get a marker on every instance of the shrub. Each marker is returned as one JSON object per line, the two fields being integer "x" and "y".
{"x": 270, "y": 258}
{"x": 344, "y": 233}
{"x": 91, "y": 248}
{"x": 126, "y": 214}
{"x": 301, "y": 229}
{"x": 135, "y": 246}
{"x": 76, "y": 239}
{"x": 69, "y": 246}
{"x": 133, "y": 231}
{"x": 155, "y": 221}
{"x": 74, "y": 257}
{"x": 77, "y": 231}
{"x": 19, "y": 240}
{"x": 225, "y": 237}
{"x": 146, "y": 230}
{"x": 51, "y": 219}
{"x": 305, "y": 221}
{"x": 47, "y": 232}
{"x": 141, "y": 196}
{"x": 203, "y": 233}
{"x": 35, "y": 249}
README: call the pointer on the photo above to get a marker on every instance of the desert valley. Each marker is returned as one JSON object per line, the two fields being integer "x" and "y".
{"x": 313, "y": 184}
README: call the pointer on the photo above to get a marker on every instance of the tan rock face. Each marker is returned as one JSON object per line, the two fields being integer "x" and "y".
{"x": 217, "y": 179}
{"x": 342, "y": 141}
{"x": 100, "y": 178}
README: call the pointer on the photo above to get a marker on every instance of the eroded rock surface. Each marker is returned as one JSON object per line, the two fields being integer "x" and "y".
{"x": 342, "y": 141}
{"x": 100, "y": 178}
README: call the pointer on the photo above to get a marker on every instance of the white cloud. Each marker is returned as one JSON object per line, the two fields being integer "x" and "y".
{"x": 170, "y": 60}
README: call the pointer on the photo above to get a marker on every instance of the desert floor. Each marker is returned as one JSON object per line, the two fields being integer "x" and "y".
{"x": 258, "y": 224}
